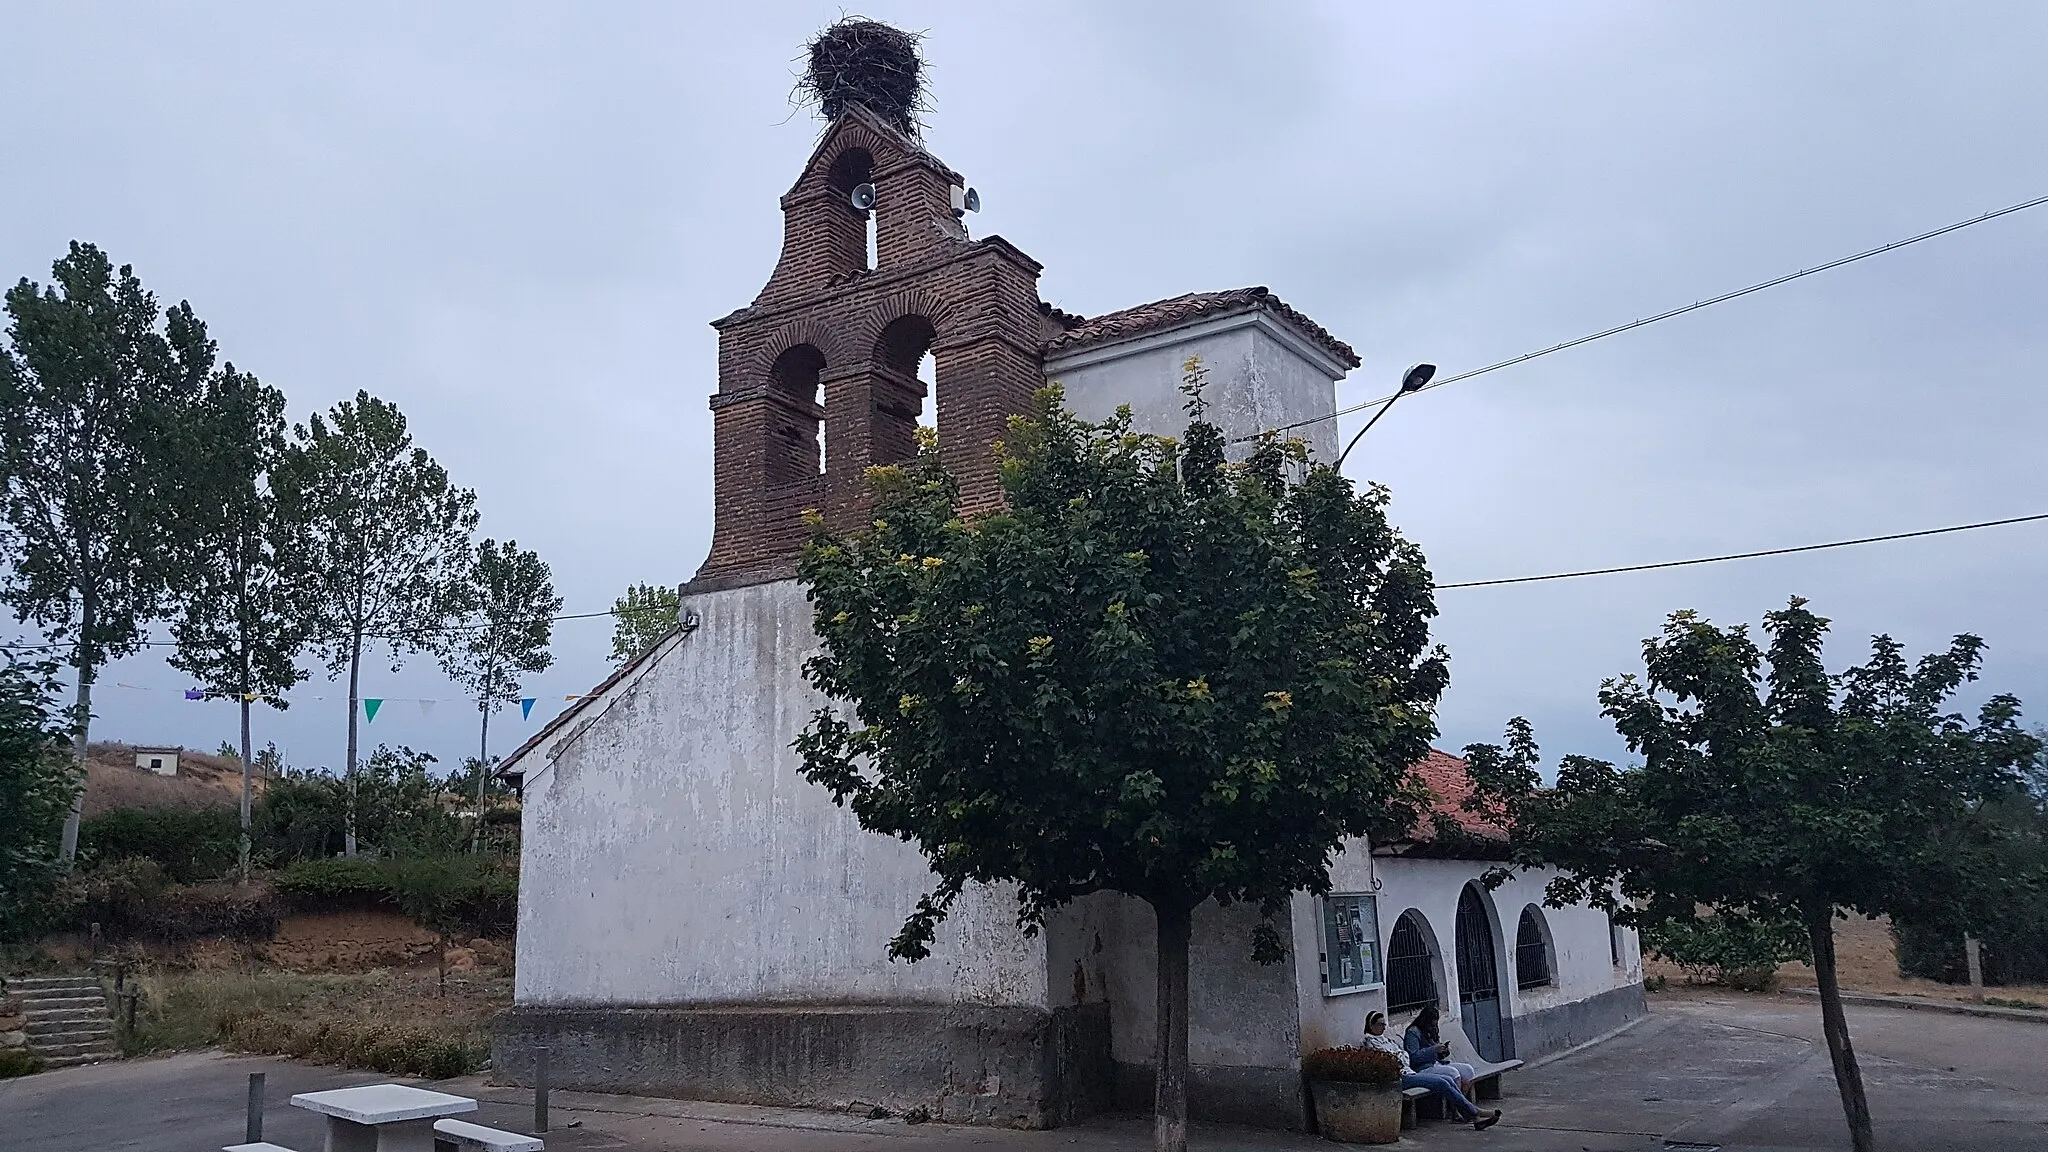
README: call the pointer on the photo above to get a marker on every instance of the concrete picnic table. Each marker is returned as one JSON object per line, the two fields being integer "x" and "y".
{"x": 382, "y": 1117}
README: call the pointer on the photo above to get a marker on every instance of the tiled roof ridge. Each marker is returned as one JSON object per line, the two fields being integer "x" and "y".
{"x": 1128, "y": 322}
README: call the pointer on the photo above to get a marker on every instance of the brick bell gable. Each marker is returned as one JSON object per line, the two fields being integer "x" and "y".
{"x": 826, "y": 319}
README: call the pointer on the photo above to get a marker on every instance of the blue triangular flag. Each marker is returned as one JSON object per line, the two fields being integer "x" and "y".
{"x": 195, "y": 693}
{"x": 526, "y": 708}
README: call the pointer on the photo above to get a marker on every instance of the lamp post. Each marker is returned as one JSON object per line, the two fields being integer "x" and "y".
{"x": 1413, "y": 381}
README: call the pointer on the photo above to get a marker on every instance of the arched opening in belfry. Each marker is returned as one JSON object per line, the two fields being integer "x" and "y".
{"x": 796, "y": 431}
{"x": 851, "y": 169}
{"x": 901, "y": 350}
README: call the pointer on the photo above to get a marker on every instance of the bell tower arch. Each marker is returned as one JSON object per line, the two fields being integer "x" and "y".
{"x": 829, "y": 348}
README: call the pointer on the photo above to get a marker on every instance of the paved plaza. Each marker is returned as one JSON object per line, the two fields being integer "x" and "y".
{"x": 1742, "y": 1073}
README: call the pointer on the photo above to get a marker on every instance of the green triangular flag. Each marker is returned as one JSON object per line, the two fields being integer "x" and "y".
{"x": 370, "y": 709}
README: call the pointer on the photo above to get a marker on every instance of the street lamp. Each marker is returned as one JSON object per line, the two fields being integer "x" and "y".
{"x": 1412, "y": 382}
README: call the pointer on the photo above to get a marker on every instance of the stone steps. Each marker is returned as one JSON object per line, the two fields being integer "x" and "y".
{"x": 66, "y": 1019}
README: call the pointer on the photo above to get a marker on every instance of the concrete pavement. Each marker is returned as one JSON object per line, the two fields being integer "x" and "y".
{"x": 1741, "y": 1073}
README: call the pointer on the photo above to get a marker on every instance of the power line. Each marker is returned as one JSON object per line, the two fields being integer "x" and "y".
{"x": 1693, "y": 307}
{"x": 1470, "y": 583}
{"x": 1745, "y": 555}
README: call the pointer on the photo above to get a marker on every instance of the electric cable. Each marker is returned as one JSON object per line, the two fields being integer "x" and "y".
{"x": 1666, "y": 315}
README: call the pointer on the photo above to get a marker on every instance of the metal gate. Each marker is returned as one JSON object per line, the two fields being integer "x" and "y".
{"x": 1478, "y": 978}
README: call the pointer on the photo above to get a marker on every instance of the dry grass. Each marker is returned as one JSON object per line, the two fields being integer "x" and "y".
{"x": 203, "y": 781}
{"x": 385, "y": 1020}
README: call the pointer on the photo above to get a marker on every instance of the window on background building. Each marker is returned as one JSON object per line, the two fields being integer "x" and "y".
{"x": 1411, "y": 981}
{"x": 1351, "y": 943}
{"x": 1532, "y": 950}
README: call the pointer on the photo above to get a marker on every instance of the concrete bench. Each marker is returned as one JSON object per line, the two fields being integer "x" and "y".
{"x": 462, "y": 1136}
{"x": 259, "y": 1146}
{"x": 1410, "y": 1098}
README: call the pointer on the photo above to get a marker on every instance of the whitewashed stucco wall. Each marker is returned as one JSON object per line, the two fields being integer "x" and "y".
{"x": 1330, "y": 1021}
{"x": 1259, "y": 378}
{"x": 1582, "y": 965}
{"x": 1240, "y": 1013}
{"x": 672, "y": 854}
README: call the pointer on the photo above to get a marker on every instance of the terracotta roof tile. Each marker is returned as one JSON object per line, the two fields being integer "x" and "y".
{"x": 1450, "y": 781}
{"x": 1194, "y": 306}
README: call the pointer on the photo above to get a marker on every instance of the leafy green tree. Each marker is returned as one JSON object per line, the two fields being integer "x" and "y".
{"x": 1771, "y": 791}
{"x": 645, "y": 614}
{"x": 384, "y": 536}
{"x": 1155, "y": 672}
{"x": 37, "y": 783}
{"x": 243, "y": 621}
{"x": 509, "y": 605}
{"x": 303, "y": 816}
{"x": 95, "y": 511}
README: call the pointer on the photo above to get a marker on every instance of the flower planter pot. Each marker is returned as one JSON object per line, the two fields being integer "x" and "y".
{"x": 1357, "y": 1113}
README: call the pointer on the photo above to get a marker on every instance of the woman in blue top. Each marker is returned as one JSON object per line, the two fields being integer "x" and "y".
{"x": 1430, "y": 1056}
{"x": 1441, "y": 1086}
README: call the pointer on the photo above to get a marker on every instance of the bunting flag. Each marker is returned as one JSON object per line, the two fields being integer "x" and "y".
{"x": 371, "y": 704}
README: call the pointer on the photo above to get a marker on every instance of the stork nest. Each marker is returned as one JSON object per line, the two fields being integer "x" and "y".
{"x": 866, "y": 62}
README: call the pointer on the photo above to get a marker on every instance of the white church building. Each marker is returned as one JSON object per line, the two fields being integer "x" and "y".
{"x": 696, "y": 920}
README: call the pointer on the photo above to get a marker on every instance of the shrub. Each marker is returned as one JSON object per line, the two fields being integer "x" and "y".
{"x": 235, "y": 911}
{"x": 189, "y": 844}
{"x": 114, "y": 894}
{"x": 476, "y": 893}
{"x": 1734, "y": 951}
{"x": 18, "y": 1062}
{"x": 37, "y": 782}
{"x": 320, "y": 885}
{"x": 1353, "y": 1065}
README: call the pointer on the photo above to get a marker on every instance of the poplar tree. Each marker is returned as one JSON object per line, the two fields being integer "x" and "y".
{"x": 1153, "y": 672}
{"x": 1775, "y": 793}
{"x": 645, "y": 614}
{"x": 508, "y": 605}
{"x": 96, "y": 514}
{"x": 384, "y": 538}
{"x": 243, "y": 620}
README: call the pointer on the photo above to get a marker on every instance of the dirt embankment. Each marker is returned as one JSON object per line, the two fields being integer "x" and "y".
{"x": 203, "y": 781}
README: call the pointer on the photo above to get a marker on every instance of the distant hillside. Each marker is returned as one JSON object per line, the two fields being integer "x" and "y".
{"x": 203, "y": 781}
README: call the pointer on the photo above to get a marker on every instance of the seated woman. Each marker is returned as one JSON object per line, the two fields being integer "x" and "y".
{"x": 1441, "y": 1086}
{"x": 1431, "y": 1056}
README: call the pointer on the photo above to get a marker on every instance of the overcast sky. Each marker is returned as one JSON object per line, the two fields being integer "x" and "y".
{"x": 515, "y": 221}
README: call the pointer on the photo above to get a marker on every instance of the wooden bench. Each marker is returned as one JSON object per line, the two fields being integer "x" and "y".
{"x": 462, "y": 1136}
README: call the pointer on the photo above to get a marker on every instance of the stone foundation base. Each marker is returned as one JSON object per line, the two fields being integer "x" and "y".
{"x": 1255, "y": 1097}
{"x": 1569, "y": 1025}
{"x": 1013, "y": 1067}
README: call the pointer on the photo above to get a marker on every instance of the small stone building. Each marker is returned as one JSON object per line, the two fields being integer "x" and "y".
{"x": 697, "y": 920}
{"x": 162, "y": 761}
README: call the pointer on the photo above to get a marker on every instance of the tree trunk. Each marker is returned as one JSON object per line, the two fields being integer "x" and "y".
{"x": 244, "y": 861}
{"x": 1170, "y": 1048}
{"x": 1820, "y": 928}
{"x": 483, "y": 761}
{"x": 81, "y": 725}
{"x": 355, "y": 668}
